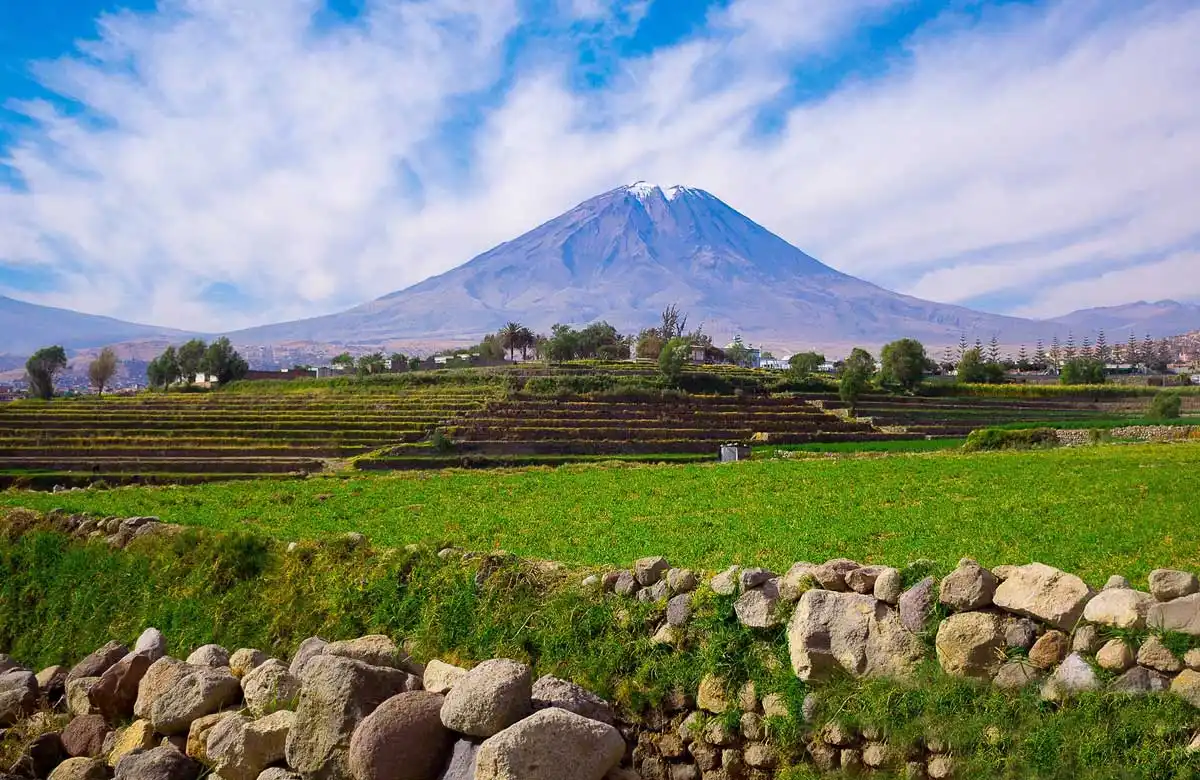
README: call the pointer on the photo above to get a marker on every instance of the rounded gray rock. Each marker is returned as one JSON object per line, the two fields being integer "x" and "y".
{"x": 551, "y": 744}
{"x": 270, "y": 687}
{"x": 489, "y": 698}
{"x": 160, "y": 763}
{"x": 554, "y": 692}
{"x": 203, "y": 691}
{"x": 403, "y": 739}
{"x": 212, "y": 656}
{"x": 18, "y": 696}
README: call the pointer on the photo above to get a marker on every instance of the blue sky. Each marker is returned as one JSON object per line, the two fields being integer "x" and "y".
{"x": 231, "y": 162}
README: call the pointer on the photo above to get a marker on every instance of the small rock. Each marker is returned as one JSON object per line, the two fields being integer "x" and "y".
{"x": 968, "y": 587}
{"x": 941, "y": 767}
{"x": 726, "y": 583}
{"x": 1050, "y": 648}
{"x": 84, "y": 736}
{"x": 711, "y": 696}
{"x": 553, "y": 692}
{"x": 862, "y": 580}
{"x": 212, "y": 656}
{"x": 245, "y": 660}
{"x": 591, "y": 582}
{"x": 1119, "y": 608}
{"x": 774, "y": 706}
{"x": 440, "y": 677}
{"x": 196, "y": 745}
{"x": 18, "y": 696}
{"x": 851, "y": 760}
{"x": 1140, "y": 681}
{"x": 1003, "y": 571}
{"x": 808, "y": 707}
{"x": 1117, "y": 582}
{"x": 1115, "y": 656}
{"x": 490, "y": 698}
{"x": 760, "y": 756}
{"x": 1086, "y": 640}
{"x": 756, "y": 608}
{"x": 310, "y": 648}
{"x": 279, "y": 773}
{"x": 718, "y": 733}
{"x": 799, "y": 578}
{"x": 115, "y": 693}
{"x": 681, "y": 580}
{"x": 40, "y": 756}
{"x": 1044, "y": 593}
{"x": 160, "y": 763}
{"x": 376, "y": 650}
{"x": 240, "y": 749}
{"x": 626, "y": 584}
{"x": 78, "y": 702}
{"x": 752, "y": 726}
{"x": 98, "y": 662}
{"x": 1187, "y": 687}
{"x": 1169, "y": 584}
{"x": 832, "y": 574}
{"x": 1015, "y": 675}
{"x": 679, "y": 610}
{"x": 747, "y": 697}
{"x": 551, "y": 744}
{"x": 824, "y": 756}
{"x": 837, "y": 734}
{"x": 877, "y": 755}
{"x": 649, "y": 571}
{"x": 138, "y": 735}
{"x": 916, "y": 606}
{"x": 889, "y": 585}
{"x": 270, "y": 687}
{"x": 669, "y": 636}
{"x": 461, "y": 765}
{"x": 1155, "y": 655}
{"x": 52, "y": 684}
{"x": 1191, "y": 659}
{"x": 1073, "y": 675}
{"x": 749, "y": 579}
{"x": 151, "y": 644}
{"x": 970, "y": 644}
{"x": 1020, "y": 632}
{"x": 80, "y": 769}
{"x": 1181, "y": 615}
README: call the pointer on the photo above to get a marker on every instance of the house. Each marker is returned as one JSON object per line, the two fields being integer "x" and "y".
{"x": 699, "y": 353}
{"x": 774, "y": 364}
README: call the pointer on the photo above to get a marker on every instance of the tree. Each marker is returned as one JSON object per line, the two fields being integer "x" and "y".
{"x": 993, "y": 354}
{"x": 650, "y": 343}
{"x": 1039, "y": 356}
{"x": 102, "y": 369}
{"x": 1103, "y": 353}
{"x": 344, "y": 361}
{"x": 370, "y": 364}
{"x": 1082, "y": 371}
{"x": 1131, "y": 351}
{"x": 1023, "y": 363}
{"x": 223, "y": 361}
{"x": 805, "y": 363}
{"x": 1147, "y": 353}
{"x": 1086, "y": 352}
{"x": 397, "y": 362}
{"x": 41, "y": 368}
{"x": 962, "y": 344}
{"x": 972, "y": 369}
{"x": 738, "y": 353}
{"x": 528, "y": 340}
{"x": 855, "y": 376}
{"x": 510, "y": 338}
{"x": 1055, "y": 353}
{"x": 674, "y": 323}
{"x": 902, "y": 364}
{"x": 1069, "y": 349}
{"x": 414, "y": 363}
{"x": 675, "y": 355}
{"x": 191, "y": 356}
{"x": 163, "y": 371}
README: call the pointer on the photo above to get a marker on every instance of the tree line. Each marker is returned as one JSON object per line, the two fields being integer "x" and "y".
{"x": 181, "y": 366}
{"x": 43, "y": 367}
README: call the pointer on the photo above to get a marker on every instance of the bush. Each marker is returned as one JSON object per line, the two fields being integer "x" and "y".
{"x": 1166, "y": 406}
{"x": 1000, "y": 439}
{"x": 1082, "y": 371}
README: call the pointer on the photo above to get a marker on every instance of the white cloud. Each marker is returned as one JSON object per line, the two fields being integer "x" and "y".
{"x": 237, "y": 144}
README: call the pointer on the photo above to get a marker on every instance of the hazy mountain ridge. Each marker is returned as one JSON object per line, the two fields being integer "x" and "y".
{"x": 623, "y": 256}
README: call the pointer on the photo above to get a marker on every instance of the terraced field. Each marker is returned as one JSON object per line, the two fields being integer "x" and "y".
{"x": 197, "y": 437}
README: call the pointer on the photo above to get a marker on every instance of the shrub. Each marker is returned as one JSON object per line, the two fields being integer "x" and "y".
{"x": 1000, "y": 439}
{"x": 1082, "y": 371}
{"x": 1165, "y": 406}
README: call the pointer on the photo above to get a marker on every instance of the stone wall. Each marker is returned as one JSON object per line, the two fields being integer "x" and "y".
{"x": 1155, "y": 433}
{"x": 365, "y": 709}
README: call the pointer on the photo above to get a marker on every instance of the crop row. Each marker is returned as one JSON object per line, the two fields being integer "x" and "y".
{"x": 164, "y": 465}
{"x": 211, "y": 450}
{"x": 475, "y": 461}
{"x": 639, "y": 433}
{"x": 154, "y": 424}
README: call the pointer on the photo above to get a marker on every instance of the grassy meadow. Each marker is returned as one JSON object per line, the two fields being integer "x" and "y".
{"x": 1094, "y": 511}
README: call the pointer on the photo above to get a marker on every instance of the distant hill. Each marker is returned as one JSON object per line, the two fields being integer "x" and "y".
{"x": 1161, "y": 318}
{"x": 26, "y": 327}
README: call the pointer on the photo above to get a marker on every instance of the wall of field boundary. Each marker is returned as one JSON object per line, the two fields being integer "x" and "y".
{"x": 1029, "y": 628}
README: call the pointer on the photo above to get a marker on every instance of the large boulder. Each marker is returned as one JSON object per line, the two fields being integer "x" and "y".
{"x": 201, "y": 692}
{"x": 831, "y": 630}
{"x": 18, "y": 695}
{"x": 916, "y": 606}
{"x": 9, "y": 664}
{"x": 240, "y": 749}
{"x": 98, "y": 662}
{"x": 245, "y": 660}
{"x": 52, "y": 684}
{"x": 1119, "y": 608}
{"x": 310, "y": 648}
{"x": 39, "y": 756}
{"x": 971, "y": 644}
{"x": 158, "y": 679}
{"x": 114, "y": 695}
{"x": 196, "y": 744}
{"x": 80, "y": 769}
{"x": 376, "y": 650}
{"x": 403, "y": 739}
{"x": 968, "y": 587}
{"x": 1169, "y": 584}
{"x": 160, "y": 763}
{"x": 336, "y": 693}
{"x": 554, "y": 692}
{"x": 84, "y": 736}
{"x": 270, "y": 687}
{"x": 138, "y": 735}
{"x": 1044, "y": 593}
{"x": 1181, "y": 615}
{"x": 490, "y": 698}
{"x": 78, "y": 701}
{"x": 1187, "y": 687}
{"x": 551, "y": 744}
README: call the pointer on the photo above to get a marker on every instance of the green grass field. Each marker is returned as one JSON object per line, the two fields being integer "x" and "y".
{"x": 1094, "y": 511}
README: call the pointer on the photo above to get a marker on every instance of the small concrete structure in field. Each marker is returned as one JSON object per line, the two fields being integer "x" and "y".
{"x": 734, "y": 452}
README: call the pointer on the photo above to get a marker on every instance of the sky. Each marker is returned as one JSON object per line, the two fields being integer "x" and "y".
{"x": 214, "y": 164}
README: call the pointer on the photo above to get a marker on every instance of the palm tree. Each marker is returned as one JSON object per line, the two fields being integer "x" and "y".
{"x": 510, "y": 338}
{"x": 527, "y": 341}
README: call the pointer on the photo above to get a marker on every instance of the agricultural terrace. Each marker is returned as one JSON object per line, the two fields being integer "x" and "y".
{"x": 508, "y": 417}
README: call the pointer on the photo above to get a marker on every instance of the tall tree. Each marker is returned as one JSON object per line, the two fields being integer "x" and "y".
{"x": 1023, "y": 359}
{"x": 803, "y": 364}
{"x": 1086, "y": 351}
{"x": 1055, "y": 353}
{"x": 738, "y": 353}
{"x": 102, "y": 369}
{"x": 1039, "y": 355}
{"x": 527, "y": 341}
{"x": 856, "y": 374}
{"x": 993, "y": 353}
{"x": 1103, "y": 353}
{"x": 1147, "y": 353}
{"x": 223, "y": 361}
{"x": 902, "y": 363}
{"x": 1132, "y": 355}
{"x": 41, "y": 368}
{"x": 163, "y": 371}
{"x": 510, "y": 338}
{"x": 674, "y": 323}
{"x": 962, "y": 344}
{"x": 1069, "y": 350}
{"x": 191, "y": 356}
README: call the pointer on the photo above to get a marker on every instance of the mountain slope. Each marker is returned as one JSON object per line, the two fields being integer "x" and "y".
{"x": 26, "y": 327}
{"x": 625, "y": 255}
{"x": 1161, "y": 318}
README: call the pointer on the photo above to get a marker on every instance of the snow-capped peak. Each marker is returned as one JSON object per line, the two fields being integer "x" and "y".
{"x": 677, "y": 190}
{"x": 643, "y": 189}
